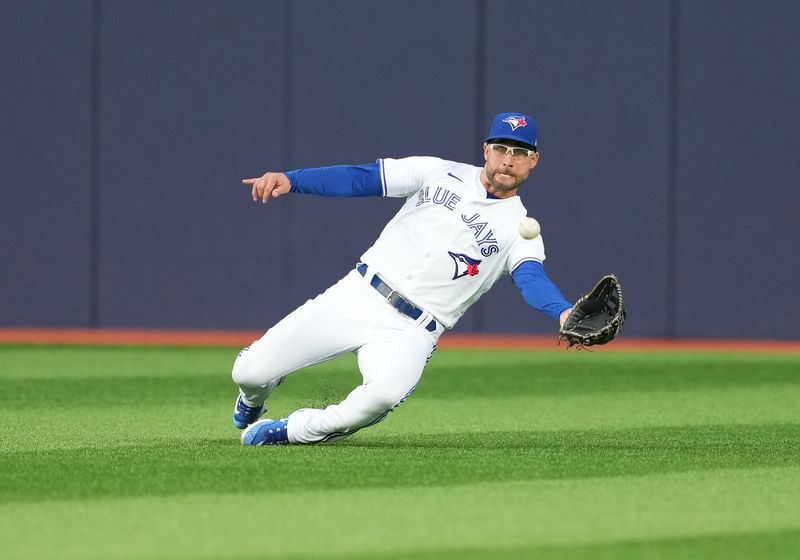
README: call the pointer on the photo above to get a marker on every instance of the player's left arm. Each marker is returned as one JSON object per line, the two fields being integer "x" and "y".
{"x": 539, "y": 291}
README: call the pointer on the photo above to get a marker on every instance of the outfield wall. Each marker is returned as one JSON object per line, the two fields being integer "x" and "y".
{"x": 668, "y": 131}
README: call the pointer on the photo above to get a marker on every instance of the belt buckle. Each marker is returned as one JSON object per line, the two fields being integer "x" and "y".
{"x": 395, "y": 299}
{"x": 405, "y": 307}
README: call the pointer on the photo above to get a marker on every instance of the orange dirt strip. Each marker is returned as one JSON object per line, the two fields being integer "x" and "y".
{"x": 135, "y": 337}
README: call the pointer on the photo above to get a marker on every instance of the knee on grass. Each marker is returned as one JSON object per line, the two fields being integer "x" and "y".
{"x": 385, "y": 398}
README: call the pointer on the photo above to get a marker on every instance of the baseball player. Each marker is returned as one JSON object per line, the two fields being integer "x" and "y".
{"x": 456, "y": 235}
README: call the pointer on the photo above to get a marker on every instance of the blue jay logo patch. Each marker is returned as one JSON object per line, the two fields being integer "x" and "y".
{"x": 515, "y": 122}
{"x": 465, "y": 265}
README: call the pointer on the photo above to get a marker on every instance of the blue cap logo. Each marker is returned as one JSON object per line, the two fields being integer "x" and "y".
{"x": 515, "y": 122}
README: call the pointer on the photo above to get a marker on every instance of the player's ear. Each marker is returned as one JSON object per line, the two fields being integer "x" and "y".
{"x": 534, "y": 159}
{"x": 485, "y": 151}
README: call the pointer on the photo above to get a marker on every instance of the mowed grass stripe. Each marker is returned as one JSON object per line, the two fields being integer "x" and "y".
{"x": 494, "y": 373}
{"x": 518, "y": 516}
{"x": 32, "y": 362}
{"x": 777, "y": 545}
{"x": 399, "y": 460}
{"x": 450, "y": 374}
{"x": 695, "y": 407}
{"x": 109, "y": 391}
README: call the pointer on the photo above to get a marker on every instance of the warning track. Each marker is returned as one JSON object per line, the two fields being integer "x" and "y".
{"x": 149, "y": 337}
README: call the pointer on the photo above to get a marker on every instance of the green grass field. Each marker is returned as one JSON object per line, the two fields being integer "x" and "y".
{"x": 129, "y": 453}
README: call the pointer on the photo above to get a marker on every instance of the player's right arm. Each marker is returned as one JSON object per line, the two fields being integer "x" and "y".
{"x": 385, "y": 177}
{"x": 337, "y": 180}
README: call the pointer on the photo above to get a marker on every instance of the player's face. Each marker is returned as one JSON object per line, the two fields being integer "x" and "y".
{"x": 506, "y": 171}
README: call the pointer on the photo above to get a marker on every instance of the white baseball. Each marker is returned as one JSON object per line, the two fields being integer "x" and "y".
{"x": 529, "y": 228}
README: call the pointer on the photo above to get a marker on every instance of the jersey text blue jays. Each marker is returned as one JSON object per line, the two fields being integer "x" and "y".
{"x": 483, "y": 234}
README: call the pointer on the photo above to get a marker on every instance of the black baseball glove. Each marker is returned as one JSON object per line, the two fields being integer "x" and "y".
{"x": 596, "y": 317}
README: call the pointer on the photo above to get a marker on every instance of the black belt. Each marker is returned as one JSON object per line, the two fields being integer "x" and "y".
{"x": 394, "y": 299}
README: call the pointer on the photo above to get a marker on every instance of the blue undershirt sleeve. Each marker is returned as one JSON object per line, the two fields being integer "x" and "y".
{"x": 338, "y": 180}
{"x": 538, "y": 290}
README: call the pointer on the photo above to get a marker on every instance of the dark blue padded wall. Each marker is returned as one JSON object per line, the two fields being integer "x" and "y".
{"x": 668, "y": 133}
{"x": 596, "y": 81}
{"x": 192, "y": 103}
{"x": 45, "y": 59}
{"x": 738, "y": 213}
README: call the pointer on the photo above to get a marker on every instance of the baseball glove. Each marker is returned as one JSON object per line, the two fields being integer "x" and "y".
{"x": 597, "y": 316}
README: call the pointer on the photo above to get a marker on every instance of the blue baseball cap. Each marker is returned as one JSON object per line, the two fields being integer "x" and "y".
{"x": 514, "y": 126}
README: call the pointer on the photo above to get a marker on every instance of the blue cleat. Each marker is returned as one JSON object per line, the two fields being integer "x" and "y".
{"x": 266, "y": 432}
{"x": 244, "y": 415}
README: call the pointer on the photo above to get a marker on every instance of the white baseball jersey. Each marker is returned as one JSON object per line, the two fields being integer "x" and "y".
{"x": 450, "y": 242}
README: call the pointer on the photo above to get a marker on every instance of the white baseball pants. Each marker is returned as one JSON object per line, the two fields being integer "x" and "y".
{"x": 350, "y": 316}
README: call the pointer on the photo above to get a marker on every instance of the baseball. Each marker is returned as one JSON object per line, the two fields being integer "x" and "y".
{"x": 529, "y": 228}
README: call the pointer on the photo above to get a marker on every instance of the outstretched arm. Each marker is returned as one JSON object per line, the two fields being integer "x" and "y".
{"x": 338, "y": 180}
{"x": 539, "y": 292}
